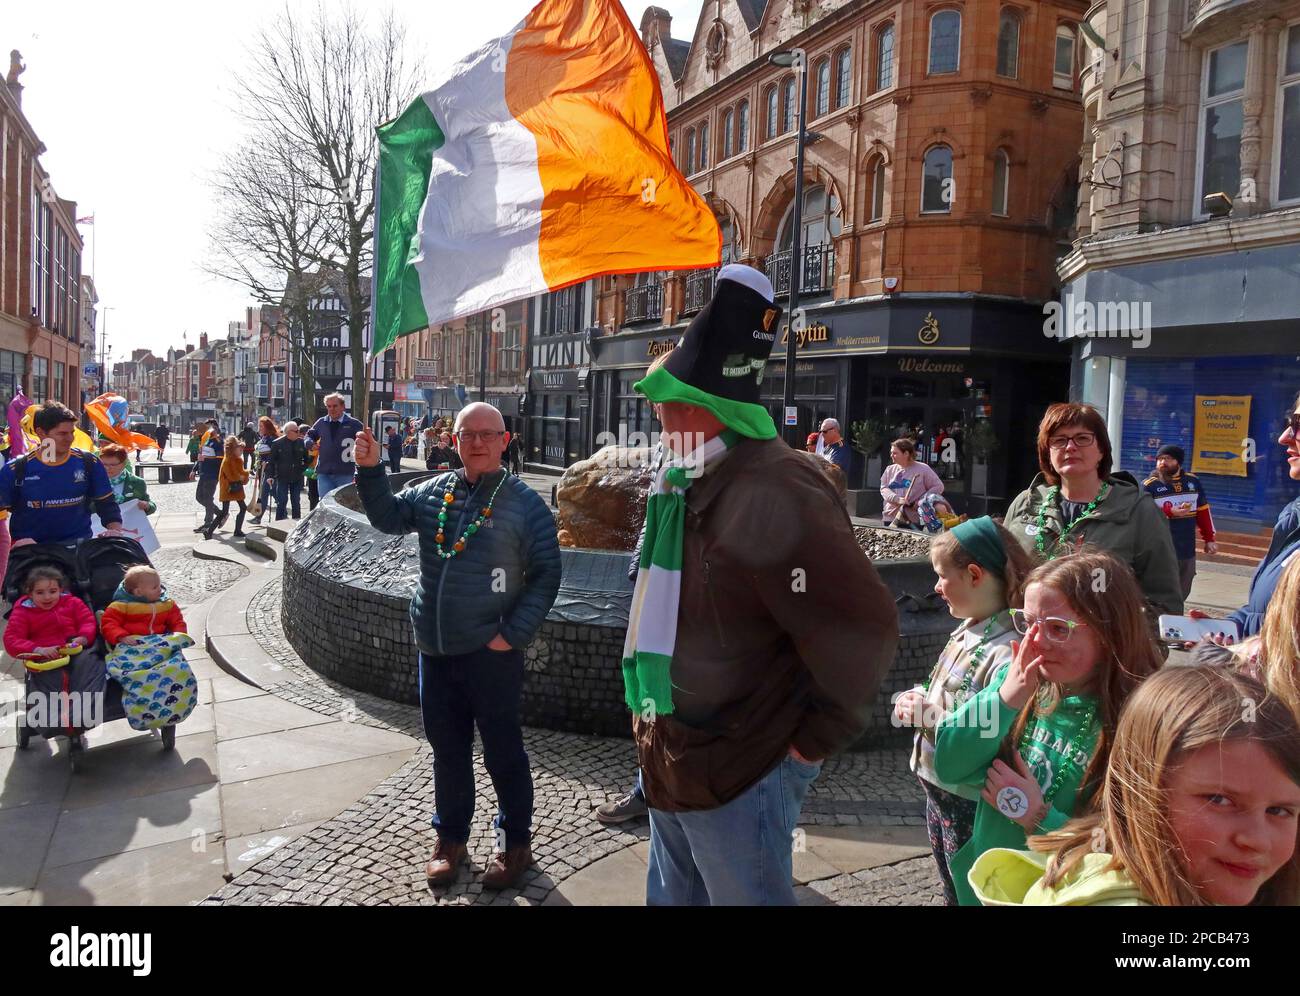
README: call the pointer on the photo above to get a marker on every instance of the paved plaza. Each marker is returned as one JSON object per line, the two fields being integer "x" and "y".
{"x": 287, "y": 789}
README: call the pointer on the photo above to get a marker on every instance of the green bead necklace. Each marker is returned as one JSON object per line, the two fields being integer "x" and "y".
{"x": 976, "y": 658}
{"x": 484, "y": 514}
{"x": 1083, "y": 734}
{"x": 1040, "y": 542}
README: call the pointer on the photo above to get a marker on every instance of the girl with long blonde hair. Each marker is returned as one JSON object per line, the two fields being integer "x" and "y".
{"x": 1200, "y": 807}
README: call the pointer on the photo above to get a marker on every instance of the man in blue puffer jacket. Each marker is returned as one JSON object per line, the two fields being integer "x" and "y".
{"x": 489, "y": 573}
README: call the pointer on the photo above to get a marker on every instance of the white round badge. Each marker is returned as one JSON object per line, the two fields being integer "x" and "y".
{"x": 1012, "y": 803}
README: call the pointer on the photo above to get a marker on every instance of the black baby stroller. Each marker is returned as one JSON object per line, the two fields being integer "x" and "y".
{"x": 94, "y": 569}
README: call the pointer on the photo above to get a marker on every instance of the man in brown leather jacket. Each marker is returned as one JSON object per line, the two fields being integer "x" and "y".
{"x": 783, "y": 630}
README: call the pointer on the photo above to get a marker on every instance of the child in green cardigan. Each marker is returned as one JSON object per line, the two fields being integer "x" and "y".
{"x": 982, "y": 570}
{"x": 126, "y": 486}
{"x": 1036, "y": 740}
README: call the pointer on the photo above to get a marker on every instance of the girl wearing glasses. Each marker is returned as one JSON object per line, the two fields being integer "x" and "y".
{"x": 982, "y": 572}
{"x": 1078, "y": 498}
{"x": 1035, "y": 742}
{"x": 1199, "y": 808}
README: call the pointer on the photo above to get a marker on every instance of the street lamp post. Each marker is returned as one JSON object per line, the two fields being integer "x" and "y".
{"x": 796, "y": 58}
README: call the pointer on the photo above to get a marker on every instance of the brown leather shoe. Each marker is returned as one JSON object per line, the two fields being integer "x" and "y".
{"x": 445, "y": 863}
{"x": 507, "y": 868}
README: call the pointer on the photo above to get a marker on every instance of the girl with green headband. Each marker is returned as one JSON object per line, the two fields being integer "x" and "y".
{"x": 981, "y": 572}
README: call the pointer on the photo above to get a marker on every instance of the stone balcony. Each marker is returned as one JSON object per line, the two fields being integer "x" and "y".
{"x": 1201, "y": 12}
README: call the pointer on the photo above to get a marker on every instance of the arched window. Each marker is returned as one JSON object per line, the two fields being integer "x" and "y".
{"x": 885, "y": 57}
{"x": 843, "y": 77}
{"x": 728, "y": 240}
{"x": 822, "y": 74}
{"x": 1001, "y": 182}
{"x": 704, "y": 146}
{"x": 728, "y": 120}
{"x": 937, "y": 186}
{"x": 876, "y": 203}
{"x": 1063, "y": 68}
{"x": 945, "y": 42}
{"x": 772, "y": 98}
{"x": 690, "y": 152}
{"x": 815, "y": 221}
{"x": 742, "y": 126}
{"x": 787, "y": 105}
{"x": 1009, "y": 44}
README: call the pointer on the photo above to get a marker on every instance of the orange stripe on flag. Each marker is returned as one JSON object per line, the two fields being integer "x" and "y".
{"x": 579, "y": 79}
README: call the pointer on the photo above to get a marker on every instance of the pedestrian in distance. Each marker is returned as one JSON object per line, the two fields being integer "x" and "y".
{"x": 336, "y": 433}
{"x": 1181, "y": 498}
{"x": 232, "y": 481}
{"x": 395, "y": 448}
{"x": 287, "y": 465}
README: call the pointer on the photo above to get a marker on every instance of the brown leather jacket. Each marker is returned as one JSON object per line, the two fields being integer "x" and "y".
{"x": 784, "y": 633}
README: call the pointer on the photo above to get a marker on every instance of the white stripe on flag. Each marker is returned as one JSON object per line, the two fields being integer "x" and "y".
{"x": 482, "y": 217}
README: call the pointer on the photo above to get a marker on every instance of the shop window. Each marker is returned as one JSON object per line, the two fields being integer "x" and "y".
{"x": 1288, "y": 178}
{"x": 1009, "y": 44}
{"x": 1063, "y": 69}
{"x": 1221, "y": 121}
{"x": 40, "y": 378}
{"x": 58, "y": 382}
{"x": 885, "y": 57}
{"x": 937, "y": 187}
{"x": 945, "y": 42}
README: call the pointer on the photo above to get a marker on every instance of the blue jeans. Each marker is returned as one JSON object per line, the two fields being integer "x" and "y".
{"x": 286, "y": 492}
{"x": 740, "y": 854}
{"x": 325, "y": 483}
{"x": 456, "y": 692}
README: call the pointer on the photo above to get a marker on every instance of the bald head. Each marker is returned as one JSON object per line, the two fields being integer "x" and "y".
{"x": 480, "y": 415}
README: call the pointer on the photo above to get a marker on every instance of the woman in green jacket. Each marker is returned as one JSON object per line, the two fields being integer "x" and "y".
{"x": 1077, "y": 498}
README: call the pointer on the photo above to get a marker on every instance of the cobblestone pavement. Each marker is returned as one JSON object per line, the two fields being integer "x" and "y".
{"x": 190, "y": 580}
{"x": 912, "y": 882}
{"x": 374, "y": 852}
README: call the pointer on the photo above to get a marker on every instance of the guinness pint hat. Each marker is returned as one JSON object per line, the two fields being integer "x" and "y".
{"x": 718, "y": 364}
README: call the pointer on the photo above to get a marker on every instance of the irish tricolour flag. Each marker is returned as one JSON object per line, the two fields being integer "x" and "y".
{"x": 540, "y": 160}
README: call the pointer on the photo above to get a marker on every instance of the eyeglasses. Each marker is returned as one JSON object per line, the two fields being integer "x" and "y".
{"x": 473, "y": 437}
{"x": 1082, "y": 440}
{"x": 1292, "y": 422}
{"x": 1053, "y": 628}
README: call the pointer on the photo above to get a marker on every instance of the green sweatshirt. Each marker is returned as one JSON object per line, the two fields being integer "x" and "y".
{"x": 128, "y": 487}
{"x": 1003, "y": 877}
{"x": 968, "y": 741}
{"x": 1126, "y": 524}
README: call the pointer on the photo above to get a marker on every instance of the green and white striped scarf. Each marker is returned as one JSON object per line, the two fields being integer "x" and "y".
{"x": 652, "y": 620}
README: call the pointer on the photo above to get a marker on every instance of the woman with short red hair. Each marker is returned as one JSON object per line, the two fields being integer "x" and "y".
{"x": 1079, "y": 498}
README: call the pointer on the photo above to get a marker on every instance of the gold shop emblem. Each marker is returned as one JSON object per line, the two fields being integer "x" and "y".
{"x": 929, "y": 332}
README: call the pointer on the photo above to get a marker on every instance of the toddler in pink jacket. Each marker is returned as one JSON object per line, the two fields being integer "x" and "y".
{"x": 47, "y": 617}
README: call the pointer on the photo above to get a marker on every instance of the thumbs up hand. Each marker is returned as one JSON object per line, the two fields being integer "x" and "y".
{"x": 366, "y": 453}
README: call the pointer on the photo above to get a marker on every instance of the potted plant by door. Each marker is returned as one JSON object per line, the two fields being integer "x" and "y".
{"x": 868, "y": 437}
{"x": 981, "y": 442}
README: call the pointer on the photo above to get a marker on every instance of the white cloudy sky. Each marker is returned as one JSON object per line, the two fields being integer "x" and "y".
{"x": 132, "y": 100}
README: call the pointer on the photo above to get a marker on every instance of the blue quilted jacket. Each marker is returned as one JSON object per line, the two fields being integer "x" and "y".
{"x": 505, "y": 581}
{"x": 1285, "y": 543}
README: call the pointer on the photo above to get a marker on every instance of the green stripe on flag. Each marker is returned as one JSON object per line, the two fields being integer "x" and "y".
{"x": 406, "y": 148}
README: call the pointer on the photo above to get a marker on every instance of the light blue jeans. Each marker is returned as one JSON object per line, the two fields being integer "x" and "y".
{"x": 325, "y": 483}
{"x": 740, "y": 854}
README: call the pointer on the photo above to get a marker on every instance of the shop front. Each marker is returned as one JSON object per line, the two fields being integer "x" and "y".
{"x": 557, "y": 419}
{"x": 1209, "y": 361}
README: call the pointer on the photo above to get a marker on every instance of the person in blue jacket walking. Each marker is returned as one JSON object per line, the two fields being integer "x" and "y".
{"x": 489, "y": 574}
{"x": 336, "y": 433}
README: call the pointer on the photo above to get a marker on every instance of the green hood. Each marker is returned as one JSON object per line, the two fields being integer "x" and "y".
{"x": 1003, "y": 877}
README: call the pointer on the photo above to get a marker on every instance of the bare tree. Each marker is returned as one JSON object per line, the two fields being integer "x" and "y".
{"x": 268, "y": 236}
{"x": 325, "y": 83}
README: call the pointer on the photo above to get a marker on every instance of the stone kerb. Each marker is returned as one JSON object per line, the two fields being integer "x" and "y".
{"x": 347, "y": 592}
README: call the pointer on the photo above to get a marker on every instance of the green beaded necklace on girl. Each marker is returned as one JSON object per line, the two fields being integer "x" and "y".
{"x": 484, "y": 514}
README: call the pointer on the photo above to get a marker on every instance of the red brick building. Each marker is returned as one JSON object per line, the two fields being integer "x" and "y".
{"x": 40, "y": 265}
{"x": 940, "y": 186}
